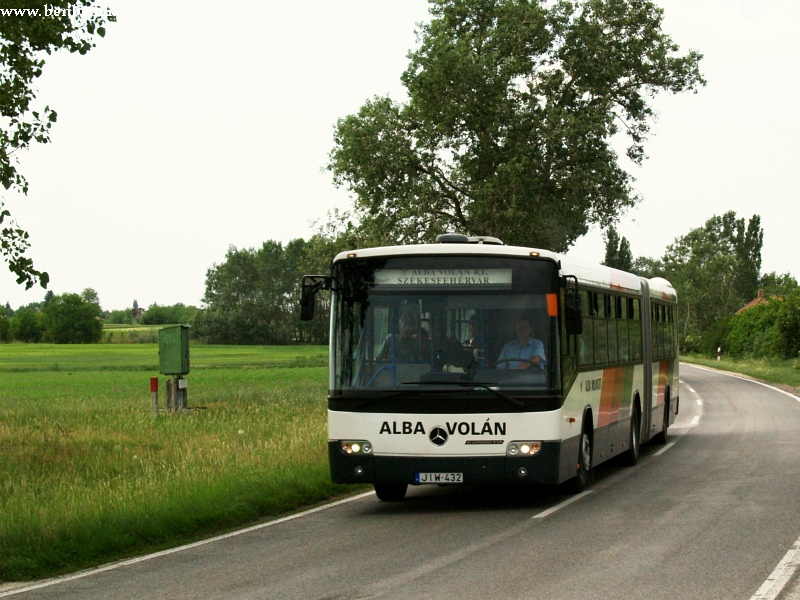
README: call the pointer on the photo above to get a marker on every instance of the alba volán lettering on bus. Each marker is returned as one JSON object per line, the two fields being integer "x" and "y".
{"x": 460, "y": 427}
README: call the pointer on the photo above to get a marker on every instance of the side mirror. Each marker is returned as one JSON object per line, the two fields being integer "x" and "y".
{"x": 308, "y": 292}
{"x": 573, "y": 317}
{"x": 307, "y": 297}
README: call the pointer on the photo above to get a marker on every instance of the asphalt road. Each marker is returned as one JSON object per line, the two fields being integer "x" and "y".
{"x": 713, "y": 514}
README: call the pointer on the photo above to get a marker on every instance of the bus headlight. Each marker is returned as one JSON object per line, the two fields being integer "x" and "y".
{"x": 523, "y": 448}
{"x": 356, "y": 447}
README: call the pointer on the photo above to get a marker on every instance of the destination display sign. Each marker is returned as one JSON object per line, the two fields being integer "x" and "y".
{"x": 464, "y": 277}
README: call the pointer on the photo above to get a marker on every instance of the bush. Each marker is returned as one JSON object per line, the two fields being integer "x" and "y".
{"x": 769, "y": 330}
{"x": 169, "y": 315}
{"x": 5, "y": 326}
{"x": 69, "y": 319}
{"x": 788, "y": 324}
{"x": 715, "y": 338}
{"x": 27, "y": 325}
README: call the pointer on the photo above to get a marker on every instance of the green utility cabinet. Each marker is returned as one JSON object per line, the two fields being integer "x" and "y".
{"x": 173, "y": 350}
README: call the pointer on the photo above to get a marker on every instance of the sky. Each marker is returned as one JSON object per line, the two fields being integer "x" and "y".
{"x": 196, "y": 126}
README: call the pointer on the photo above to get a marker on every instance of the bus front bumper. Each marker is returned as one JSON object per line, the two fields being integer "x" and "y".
{"x": 542, "y": 468}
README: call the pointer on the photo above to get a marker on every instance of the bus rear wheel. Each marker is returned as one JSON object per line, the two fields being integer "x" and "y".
{"x": 661, "y": 437}
{"x": 391, "y": 492}
{"x": 631, "y": 457}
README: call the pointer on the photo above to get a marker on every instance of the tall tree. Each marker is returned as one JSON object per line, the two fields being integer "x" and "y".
{"x": 28, "y": 32}
{"x": 249, "y": 298}
{"x": 512, "y": 107}
{"x": 777, "y": 285}
{"x": 715, "y": 269}
{"x": 90, "y": 295}
{"x": 618, "y": 251}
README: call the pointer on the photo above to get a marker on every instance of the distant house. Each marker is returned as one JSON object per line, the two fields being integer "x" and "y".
{"x": 761, "y": 299}
{"x": 137, "y": 313}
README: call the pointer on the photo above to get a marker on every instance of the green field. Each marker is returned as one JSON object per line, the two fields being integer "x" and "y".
{"x": 89, "y": 474}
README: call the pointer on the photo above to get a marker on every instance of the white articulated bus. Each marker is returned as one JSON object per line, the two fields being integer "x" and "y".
{"x": 468, "y": 361}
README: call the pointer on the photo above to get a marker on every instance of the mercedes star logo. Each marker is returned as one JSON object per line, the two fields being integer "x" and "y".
{"x": 438, "y": 436}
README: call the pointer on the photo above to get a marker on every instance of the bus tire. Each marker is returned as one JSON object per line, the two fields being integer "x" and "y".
{"x": 391, "y": 492}
{"x": 661, "y": 437}
{"x": 583, "y": 467}
{"x": 631, "y": 456}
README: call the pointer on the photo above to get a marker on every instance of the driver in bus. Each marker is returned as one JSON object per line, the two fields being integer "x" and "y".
{"x": 528, "y": 350}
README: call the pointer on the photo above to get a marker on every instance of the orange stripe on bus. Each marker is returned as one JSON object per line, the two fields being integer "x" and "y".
{"x": 552, "y": 305}
{"x": 615, "y": 393}
{"x": 609, "y": 396}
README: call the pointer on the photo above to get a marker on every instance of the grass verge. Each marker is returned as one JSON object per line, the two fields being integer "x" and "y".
{"x": 783, "y": 372}
{"x": 88, "y": 474}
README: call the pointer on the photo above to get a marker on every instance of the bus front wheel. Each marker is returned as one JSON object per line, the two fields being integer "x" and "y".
{"x": 391, "y": 492}
{"x": 583, "y": 467}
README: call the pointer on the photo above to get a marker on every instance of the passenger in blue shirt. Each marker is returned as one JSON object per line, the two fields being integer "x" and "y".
{"x": 524, "y": 347}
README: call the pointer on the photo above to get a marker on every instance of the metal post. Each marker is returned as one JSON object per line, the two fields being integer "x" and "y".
{"x": 182, "y": 393}
{"x": 154, "y": 394}
{"x": 171, "y": 395}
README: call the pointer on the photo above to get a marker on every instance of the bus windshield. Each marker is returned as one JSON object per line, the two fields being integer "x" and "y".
{"x": 423, "y": 322}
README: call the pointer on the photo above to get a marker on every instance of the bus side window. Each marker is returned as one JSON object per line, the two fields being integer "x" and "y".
{"x": 586, "y": 339}
{"x": 635, "y": 329}
{"x": 600, "y": 340}
{"x": 613, "y": 333}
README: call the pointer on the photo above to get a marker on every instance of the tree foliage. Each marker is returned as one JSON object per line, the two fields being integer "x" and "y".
{"x": 27, "y": 325}
{"x": 715, "y": 270}
{"x": 168, "y": 315}
{"x": 618, "y": 251}
{"x": 253, "y": 296}
{"x": 767, "y": 330}
{"x": 5, "y": 325}
{"x": 69, "y": 319}
{"x": 507, "y": 131}
{"x": 777, "y": 285}
{"x": 25, "y": 39}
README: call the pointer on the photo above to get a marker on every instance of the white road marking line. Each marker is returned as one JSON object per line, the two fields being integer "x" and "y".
{"x": 559, "y": 506}
{"x": 779, "y": 577}
{"x": 699, "y": 402}
{"x": 695, "y": 420}
{"x": 664, "y": 449}
{"x": 138, "y": 559}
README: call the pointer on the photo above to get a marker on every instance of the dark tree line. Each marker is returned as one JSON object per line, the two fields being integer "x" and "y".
{"x": 716, "y": 271}
{"x": 59, "y": 319}
{"x": 253, "y": 296}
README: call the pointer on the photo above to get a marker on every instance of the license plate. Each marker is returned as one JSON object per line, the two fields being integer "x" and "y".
{"x": 439, "y": 478}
